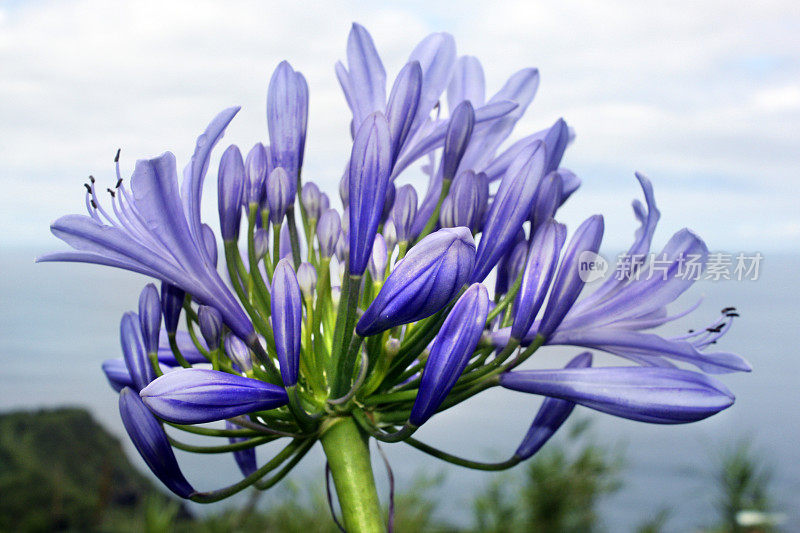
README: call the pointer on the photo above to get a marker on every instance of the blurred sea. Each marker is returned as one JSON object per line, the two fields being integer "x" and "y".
{"x": 58, "y": 322}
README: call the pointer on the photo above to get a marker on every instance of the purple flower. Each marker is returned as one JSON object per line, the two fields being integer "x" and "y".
{"x": 238, "y": 352}
{"x": 645, "y": 394}
{"x": 404, "y": 211}
{"x": 424, "y": 281}
{"x": 456, "y": 140}
{"x": 470, "y": 196}
{"x": 370, "y": 167}
{"x": 510, "y": 209}
{"x": 257, "y": 168}
{"x": 568, "y": 283}
{"x": 210, "y": 325}
{"x": 551, "y": 415}
{"x": 150, "y": 317}
{"x": 467, "y": 83}
{"x": 287, "y": 320}
{"x": 156, "y": 231}
{"x": 186, "y": 346}
{"x": 548, "y": 199}
{"x": 171, "y": 305}
{"x": 378, "y": 258}
{"x": 151, "y": 442}
{"x": 307, "y": 279}
{"x": 279, "y": 194}
{"x": 195, "y": 396}
{"x": 328, "y": 230}
{"x": 136, "y": 360}
{"x": 403, "y": 104}
{"x": 310, "y": 197}
{"x": 116, "y": 371}
{"x": 287, "y": 120}
{"x": 542, "y": 259}
{"x": 230, "y": 190}
{"x": 245, "y": 459}
{"x": 450, "y": 352}
{"x": 261, "y": 242}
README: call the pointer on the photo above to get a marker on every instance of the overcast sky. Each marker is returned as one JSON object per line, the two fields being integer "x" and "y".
{"x": 704, "y": 98}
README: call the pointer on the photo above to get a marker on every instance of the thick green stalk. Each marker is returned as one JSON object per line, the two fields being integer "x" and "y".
{"x": 347, "y": 451}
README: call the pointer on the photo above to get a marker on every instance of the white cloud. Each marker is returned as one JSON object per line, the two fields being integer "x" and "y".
{"x": 702, "y": 96}
{"x": 785, "y": 98}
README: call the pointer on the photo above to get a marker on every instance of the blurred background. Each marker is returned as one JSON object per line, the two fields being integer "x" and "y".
{"x": 702, "y": 98}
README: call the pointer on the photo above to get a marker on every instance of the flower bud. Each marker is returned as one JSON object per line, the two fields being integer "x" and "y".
{"x": 551, "y": 415}
{"x": 404, "y": 211}
{"x": 256, "y": 168}
{"x": 150, "y": 317}
{"x": 470, "y": 193}
{"x": 171, "y": 304}
{"x": 646, "y": 394}
{"x": 117, "y": 374}
{"x": 310, "y": 196}
{"x": 287, "y": 120}
{"x": 502, "y": 283}
{"x": 210, "y": 244}
{"x": 403, "y": 102}
{"x": 344, "y": 188}
{"x": 285, "y": 242}
{"x": 450, "y": 352}
{"x": 510, "y": 208}
{"x": 390, "y": 235}
{"x": 307, "y": 279}
{"x": 279, "y": 194}
{"x": 539, "y": 269}
{"x": 152, "y": 443}
{"x": 547, "y": 199}
{"x": 324, "y": 202}
{"x": 369, "y": 172}
{"x": 261, "y": 242}
{"x": 391, "y": 192}
{"x": 210, "y": 325}
{"x": 378, "y": 259}
{"x": 238, "y": 352}
{"x": 424, "y": 281}
{"x": 568, "y": 283}
{"x": 287, "y": 320}
{"x": 328, "y": 230}
{"x": 135, "y": 358}
{"x": 342, "y": 250}
{"x": 516, "y": 260}
{"x": 456, "y": 140}
{"x": 245, "y": 459}
{"x": 556, "y": 140}
{"x": 230, "y": 189}
{"x": 197, "y": 395}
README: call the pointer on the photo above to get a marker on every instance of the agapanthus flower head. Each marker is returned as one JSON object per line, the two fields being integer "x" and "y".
{"x": 371, "y": 319}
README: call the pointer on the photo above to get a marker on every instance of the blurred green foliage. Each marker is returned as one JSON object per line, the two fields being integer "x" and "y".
{"x": 61, "y": 471}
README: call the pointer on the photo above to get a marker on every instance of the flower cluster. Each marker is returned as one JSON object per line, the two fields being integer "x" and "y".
{"x": 379, "y": 314}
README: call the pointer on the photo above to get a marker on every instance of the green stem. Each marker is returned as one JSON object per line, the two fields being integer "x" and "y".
{"x": 347, "y": 451}
{"x": 460, "y": 461}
